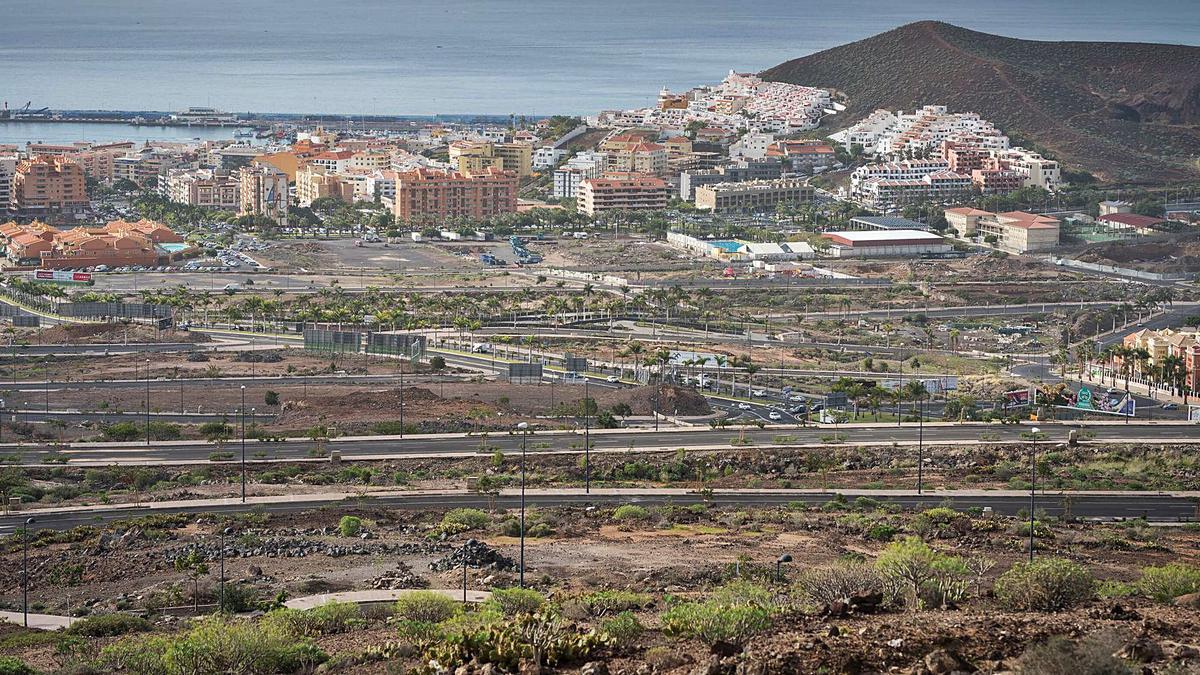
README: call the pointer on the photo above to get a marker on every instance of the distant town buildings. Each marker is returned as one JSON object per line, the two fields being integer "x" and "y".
{"x": 1167, "y": 343}
{"x": 630, "y": 192}
{"x": 478, "y": 156}
{"x": 740, "y": 101}
{"x": 582, "y": 166}
{"x": 1015, "y": 231}
{"x": 889, "y": 185}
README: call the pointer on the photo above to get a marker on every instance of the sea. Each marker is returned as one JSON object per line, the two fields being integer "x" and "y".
{"x": 415, "y": 57}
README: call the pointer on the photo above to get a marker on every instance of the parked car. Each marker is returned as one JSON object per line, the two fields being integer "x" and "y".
{"x": 612, "y": 379}
{"x": 773, "y": 415}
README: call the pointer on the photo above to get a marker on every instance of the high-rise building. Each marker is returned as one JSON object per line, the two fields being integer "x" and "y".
{"x": 48, "y": 188}
{"x": 436, "y": 195}
{"x": 627, "y": 191}
{"x": 263, "y": 191}
{"x": 201, "y": 187}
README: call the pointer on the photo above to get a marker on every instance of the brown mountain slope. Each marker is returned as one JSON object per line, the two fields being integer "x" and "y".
{"x": 1124, "y": 111}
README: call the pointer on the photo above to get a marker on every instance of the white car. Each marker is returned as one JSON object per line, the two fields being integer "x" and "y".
{"x": 743, "y": 406}
{"x": 796, "y": 398}
{"x": 612, "y": 379}
{"x": 758, "y": 393}
{"x": 773, "y": 415}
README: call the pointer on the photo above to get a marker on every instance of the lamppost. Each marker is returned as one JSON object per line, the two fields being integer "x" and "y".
{"x": 523, "y": 427}
{"x": 920, "y": 445}
{"x": 243, "y": 443}
{"x": 147, "y": 402}
{"x": 25, "y": 571}
{"x": 785, "y": 558}
{"x": 1032, "y": 484}
{"x": 221, "y": 598}
{"x": 466, "y": 548}
{"x": 587, "y": 428}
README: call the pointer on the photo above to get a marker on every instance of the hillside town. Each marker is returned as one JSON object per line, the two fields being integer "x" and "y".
{"x": 738, "y": 381}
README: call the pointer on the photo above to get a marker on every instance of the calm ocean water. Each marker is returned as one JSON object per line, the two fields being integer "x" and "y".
{"x": 473, "y": 56}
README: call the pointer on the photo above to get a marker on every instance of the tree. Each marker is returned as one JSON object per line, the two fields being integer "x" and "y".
{"x": 271, "y": 398}
{"x": 194, "y": 565}
{"x": 437, "y": 363}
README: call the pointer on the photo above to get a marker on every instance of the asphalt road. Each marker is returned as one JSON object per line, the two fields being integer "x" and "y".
{"x": 610, "y": 440}
{"x": 1160, "y": 507}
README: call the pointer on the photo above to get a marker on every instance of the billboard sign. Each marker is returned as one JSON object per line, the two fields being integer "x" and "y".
{"x": 1017, "y": 397}
{"x": 59, "y": 275}
{"x": 1089, "y": 401}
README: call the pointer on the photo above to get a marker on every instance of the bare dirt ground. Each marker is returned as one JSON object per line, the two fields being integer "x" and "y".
{"x": 102, "y": 333}
{"x": 670, "y": 554}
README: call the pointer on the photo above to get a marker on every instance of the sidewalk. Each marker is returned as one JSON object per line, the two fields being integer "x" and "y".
{"x": 40, "y": 621}
{"x": 365, "y": 597}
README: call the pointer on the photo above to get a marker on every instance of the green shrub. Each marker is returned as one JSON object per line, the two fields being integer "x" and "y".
{"x": 426, "y": 607}
{"x": 827, "y": 585}
{"x": 350, "y": 526}
{"x": 929, "y": 578}
{"x": 627, "y": 512}
{"x": 514, "y": 601}
{"x": 327, "y": 619}
{"x": 109, "y": 625}
{"x": 1094, "y": 654}
{"x": 733, "y": 614}
{"x": 622, "y": 628}
{"x": 214, "y": 645}
{"x": 1169, "y": 581}
{"x": 1046, "y": 584}
{"x": 11, "y": 665}
{"x": 462, "y": 520}
{"x": 543, "y": 636}
{"x": 602, "y": 603}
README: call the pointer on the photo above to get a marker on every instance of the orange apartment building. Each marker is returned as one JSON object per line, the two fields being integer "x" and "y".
{"x": 48, "y": 189}
{"x": 116, "y": 244}
{"x": 437, "y": 195}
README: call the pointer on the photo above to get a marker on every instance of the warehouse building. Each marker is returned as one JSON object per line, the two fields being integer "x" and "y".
{"x": 885, "y": 243}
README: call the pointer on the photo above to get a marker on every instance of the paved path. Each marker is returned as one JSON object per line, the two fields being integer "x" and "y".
{"x": 363, "y": 597}
{"x": 38, "y": 621}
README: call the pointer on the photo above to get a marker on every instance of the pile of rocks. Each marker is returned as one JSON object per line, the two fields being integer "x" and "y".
{"x": 477, "y": 555}
{"x": 401, "y": 577}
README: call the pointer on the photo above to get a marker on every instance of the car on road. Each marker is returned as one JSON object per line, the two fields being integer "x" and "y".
{"x": 612, "y": 379}
{"x": 797, "y": 409}
{"x": 1170, "y": 406}
{"x": 758, "y": 393}
{"x": 743, "y": 406}
{"x": 774, "y": 415}
{"x": 796, "y": 398}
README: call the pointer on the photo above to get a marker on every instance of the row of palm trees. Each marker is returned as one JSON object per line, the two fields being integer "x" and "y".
{"x": 1169, "y": 372}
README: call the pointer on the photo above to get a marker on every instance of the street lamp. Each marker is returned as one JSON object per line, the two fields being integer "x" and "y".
{"x": 587, "y": 428}
{"x": 523, "y": 427}
{"x": 466, "y": 549}
{"x": 243, "y": 444}
{"x": 147, "y": 402}
{"x": 785, "y": 558}
{"x": 920, "y": 445}
{"x": 221, "y": 599}
{"x": 1032, "y": 484}
{"x": 25, "y": 571}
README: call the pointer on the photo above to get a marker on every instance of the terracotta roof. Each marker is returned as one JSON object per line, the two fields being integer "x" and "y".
{"x": 968, "y": 211}
{"x": 1131, "y": 219}
{"x": 1028, "y": 221}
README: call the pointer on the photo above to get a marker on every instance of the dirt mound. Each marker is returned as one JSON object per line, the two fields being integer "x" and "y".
{"x": 671, "y": 400}
{"x": 1180, "y": 253}
{"x": 109, "y": 333}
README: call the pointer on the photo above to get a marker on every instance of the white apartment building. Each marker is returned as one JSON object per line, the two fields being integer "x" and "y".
{"x": 752, "y": 145}
{"x": 201, "y": 187}
{"x": 8, "y": 167}
{"x": 884, "y": 132}
{"x": 547, "y": 157}
{"x": 577, "y": 169}
{"x": 890, "y": 194}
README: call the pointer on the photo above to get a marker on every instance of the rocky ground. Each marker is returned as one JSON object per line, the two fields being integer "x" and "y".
{"x": 665, "y": 555}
